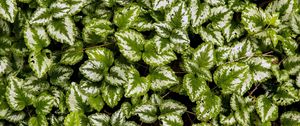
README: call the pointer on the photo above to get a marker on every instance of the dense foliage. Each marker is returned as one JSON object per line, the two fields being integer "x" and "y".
{"x": 149, "y": 62}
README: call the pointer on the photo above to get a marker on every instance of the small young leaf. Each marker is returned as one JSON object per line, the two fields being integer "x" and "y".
{"x": 76, "y": 119}
{"x": 252, "y": 19}
{"x": 96, "y": 103}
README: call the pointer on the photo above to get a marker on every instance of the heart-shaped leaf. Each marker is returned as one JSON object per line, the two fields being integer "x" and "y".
{"x": 111, "y": 94}
{"x": 146, "y": 112}
{"x": 75, "y": 99}
{"x": 93, "y": 70}
{"x": 40, "y": 62}
{"x": 162, "y": 78}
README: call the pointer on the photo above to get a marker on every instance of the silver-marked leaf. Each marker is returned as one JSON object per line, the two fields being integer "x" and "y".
{"x": 56, "y": 120}
{"x": 178, "y": 16}
{"x": 146, "y": 112}
{"x": 267, "y": 110}
{"x": 292, "y": 64}
{"x": 240, "y": 50}
{"x": 295, "y": 22}
{"x": 99, "y": 119}
{"x": 63, "y": 30}
{"x": 284, "y": 7}
{"x": 15, "y": 116}
{"x": 298, "y": 80}
{"x": 242, "y": 107}
{"x": 72, "y": 55}
{"x": 229, "y": 120}
{"x": 253, "y": 19}
{"x": 35, "y": 37}
{"x": 125, "y": 17}
{"x": 76, "y": 119}
{"x": 59, "y": 99}
{"x": 41, "y": 16}
{"x": 4, "y": 108}
{"x": 101, "y": 54}
{"x": 5, "y": 27}
{"x": 118, "y": 75}
{"x": 163, "y": 29}
{"x": 204, "y": 55}
{"x": 5, "y": 65}
{"x": 130, "y": 43}
{"x": 8, "y": 10}
{"x": 286, "y": 94}
{"x": 17, "y": 98}
{"x": 93, "y": 70}
{"x": 89, "y": 88}
{"x": 171, "y": 119}
{"x": 96, "y": 103}
{"x": 290, "y": 46}
{"x": 35, "y": 85}
{"x": 136, "y": 86}
{"x": 109, "y": 3}
{"x": 196, "y": 87}
{"x": 215, "y": 2}
{"x": 77, "y": 5}
{"x": 200, "y": 13}
{"x": 39, "y": 120}
{"x": 143, "y": 24}
{"x": 221, "y": 17}
{"x": 162, "y": 44}
{"x": 161, "y": 5}
{"x": 6, "y": 43}
{"x": 171, "y": 107}
{"x": 233, "y": 78}
{"x": 40, "y": 63}
{"x": 260, "y": 68}
{"x": 60, "y": 74}
{"x": 211, "y": 36}
{"x": 59, "y": 9}
{"x": 44, "y": 3}
{"x": 233, "y": 31}
{"x": 181, "y": 40}
{"x": 43, "y": 104}
{"x": 118, "y": 118}
{"x": 290, "y": 118}
{"x": 126, "y": 107}
{"x": 208, "y": 108}
{"x": 99, "y": 27}
{"x": 162, "y": 78}
{"x": 153, "y": 58}
{"x": 236, "y": 5}
{"x": 111, "y": 94}
{"x": 75, "y": 99}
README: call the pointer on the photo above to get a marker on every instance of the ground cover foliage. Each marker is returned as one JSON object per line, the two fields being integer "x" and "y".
{"x": 149, "y": 62}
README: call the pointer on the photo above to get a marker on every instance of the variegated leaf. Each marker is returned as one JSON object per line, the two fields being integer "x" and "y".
{"x": 196, "y": 87}
{"x": 208, "y": 108}
{"x": 8, "y": 10}
{"x": 6, "y": 43}
{"x": 242, "y": 107}
{"x": 240, "y": 50}
{"x": 130, "y": 43}
{"x": 171, "y": 119}
{"x": 136, "y": 86}
{"x": 111, "y": 94}
{"x": 76, "y": 119}
{"x": 260, "y": 68}
{"x": 77, "y": 5}
{"x": 43, "y": 104}
{"x": 290, "y": 118}
{"x": 292, "y": 64}
{"x": 295, "y": 22}
{"x": 221, "y": 17}
{"x": 40, "y": 62}
{"x": 298, "y": 80}
{"x": 284, "y": 7}
{"x": 200, "y": 13}
{"x": 15, "y": 116}
{"x": 60, "y": 74}
{"x": 286, "y": 94}
{"x": 143, "y": 24}
{"x": 99, "y": 27}
{"x": 35, "y": 85}
{"x": 118, "y": 118}
{"x": 146, "y": 112}
{"x": 73, "y": 54}
{"x": 233, "y": 31}
{"x": 93, "y": 70}
{"x": 289, "y": 46}
{"x": 178, "y": 16}
{"x": 229, "y": 120}
{"x": 41, "y": 16}
{"x": 75, "y": 99}
{"x": 35, "y": 37}
{"x": 211, "y": 36}
{"x": 5, "y": 65}
{"x": 44, "y": 3}
{"x": 171, "y": 107}
{"x": 215, "y": 2}
{"x": 59, "y": 9}
{"x": 89, "y": 88}
{"x": 101, "y": 54}
{"x": 267, "y": 110}
{"x": 163, "y": 29}
{"x": 126, "y": 16}
{"x": 63, "y": 30}
{"x": 39, "y": 120}
{"x": 99, "y": 119}
{"x": 233, "y": 78}
{"x": 162, "y": 78}
{"x": 118, "y": 74}
{"x": 96, "y": 103}
{"x": 253, "y": 19}
{"x": 161, "y": 5}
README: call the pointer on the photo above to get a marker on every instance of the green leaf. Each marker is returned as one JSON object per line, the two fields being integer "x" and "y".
{"x": 72, "y": 55}
{"x": 99, "y": 119}
{"x": 136, "y": 86}
{"x": 15, "y": 116}
{"x": 289, "y": 46}
{"x": 77, "y": 5}
{"x": 242, "y": 107}
{"x": 143, "y": 24}
{"x": 286, "y": 94}
{"x": 130, "y": 43}
{"x": 99, "y": 27}
{"x": 260, "y": 68}
{"x": 229, "y": 120}
{"x": 8, "y": 10}
{"x": 118, "y": 74}
{"x": 284, "y": 7}
{"x": 153, "y": 58}
{"x": 101, "y": 54}
{"x": 171, "y": 119}
{"x": 5, "y": 25}
{"x": 203, "y": 56}
{"x": 44, "y": 3}
{"x": 200, "y": 13}
{"x": 41, "y": 16}
{"x": 59, "y": 100}
{"x": 162, "y": 78}
{"x": 240, "y": 50}
{"x": 298, "y": 80}
{"x": 215, "y": 2}
{"x": 63, "y": 30}
{"x": 6, "y": 43}
{"x": 76, "y": 100}
{"x": 290, "y": 118}
{"x": 39, "y": 120}
{"x": 266, "y": 110}
{"x": 40, "y": 62}
{"x": 233, "y": 78}
{"x": 125, "y": 17}
{"x": 117, "y": 118}
{"x": 59, "y": 9}
{"x": 93, "y": 70}
{"x": 208, "y": 108}
{"x": 292, "y": 64}
{"x": 211, "y": 36}
{"x": 35, "y": 85}
{"x": 178, "y": 16}
{"x": 171, "y": 107}
{"x": 253, "y": 19}
{"x": 181, "y": 40}
{"x": 35, "y": 37}
{"x": 96, "y": 103}
{"x": 295, "y": 22}
{"x": 56, "y": 120}
{"x": 162, "y": 4}
{"x": 195, "y": 87}
{"x": 76, "y": 119}
{"x": 89, "y": 88}
{"x": 233, "y": 31}
{"x": 111, "y": 94}
{"x": 163, "y": 29}
{"x": 60, "y": 74}
{"x": 43, "y": 104}
{"x": 146, "y": 112}
{"x": 221, "y": 17}
{"x": 4, "y": 109}
{"x": 5, "y": 65}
